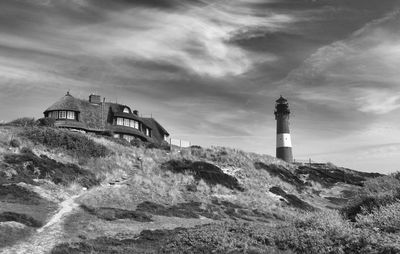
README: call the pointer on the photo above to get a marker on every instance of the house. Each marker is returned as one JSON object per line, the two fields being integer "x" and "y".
{"x": 98, "y": 116}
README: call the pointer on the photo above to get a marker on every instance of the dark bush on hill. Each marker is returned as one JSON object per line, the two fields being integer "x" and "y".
{"x": 22, "y": 122}
{"x": 21, "y": 218}
{"x": 367, "y": 204}
{"x": 163, "y": 146}
{"x": 217, "y": 210}
{"x": 282, "y": 173}
{"x": 28, "y": 167}
{"x": 15, "y": 143}
{"x": 12, "y": 193}
{"x": 328, "y": 176}
{"x": 46, "y": 122}
{"x": 292, "y": 199}
{"x": 76, "y": 144}
{"x": 213, "y": 238}
{"x": 210, "y": 173}
{"x": 111, "y": 214}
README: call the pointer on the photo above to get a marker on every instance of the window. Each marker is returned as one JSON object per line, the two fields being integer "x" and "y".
{"x": 132, "y": 123}
{"x": 62, "y": 114}
{"x": 126, "y": 122}
{"x": 126, "y": 110}
{"x": 136, "y": 125}
{"x": 120, "y": 121}
{"x": 148, "y": 132}
{"x": 71, "y": 115}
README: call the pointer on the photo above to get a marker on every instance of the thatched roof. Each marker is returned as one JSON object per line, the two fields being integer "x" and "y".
{"x": 99, "y": 117}
{"x": 153, "y": 124}
{"x": 65, "y": 103}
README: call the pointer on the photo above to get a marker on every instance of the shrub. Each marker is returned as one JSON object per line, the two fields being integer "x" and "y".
{"x": 15, "y": 143}
{"x": 384, "y": 184}
{"x": 28, "y": 166}
{"x": 21, "y": 218}
{"x": 76, "y": 144}
{"x": 210, "y": 173}
{"x": 137, "y": 142}
{"x": 386, "y": 218}
{"x": 366, "y": 204}
{"x": 26, "y": 150}
{"x": 163, "y": 146}
{"x": 23, "y": 122}
{"x": 47, "y": 122}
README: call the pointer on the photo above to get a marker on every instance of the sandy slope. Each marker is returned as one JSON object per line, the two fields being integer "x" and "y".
{"x": 49, "y": 235}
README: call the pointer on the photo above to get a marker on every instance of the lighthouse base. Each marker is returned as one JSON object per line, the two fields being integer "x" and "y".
{"x": 284, "y": 153}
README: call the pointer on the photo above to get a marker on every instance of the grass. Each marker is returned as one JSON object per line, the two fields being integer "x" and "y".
{"x": 13, "y": 193}
{"x": 292, "y": 199}
{"x": 188, "y": 185}
{"x": 27, "y": 166}
{"x": 210, "y": 173}
{"x": 385, "y": 218}
{"x": 12, "y": 232}
{"x": 20, "y": 218}
{"x": 76, "y": 144}
{"x": 111, "y": 214}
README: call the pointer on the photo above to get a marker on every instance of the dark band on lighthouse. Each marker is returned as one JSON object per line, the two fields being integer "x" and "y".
{"x": 283, "y": 139}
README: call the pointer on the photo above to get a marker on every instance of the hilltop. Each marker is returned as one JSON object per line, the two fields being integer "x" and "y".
{"x": 64, "y": 192}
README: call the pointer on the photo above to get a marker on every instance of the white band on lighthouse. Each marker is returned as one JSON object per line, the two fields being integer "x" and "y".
{"x": 283, "y": 140}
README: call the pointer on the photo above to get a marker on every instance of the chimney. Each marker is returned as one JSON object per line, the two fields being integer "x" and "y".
{"x": 135, "y": 112}
{"x": 95, "y": 99}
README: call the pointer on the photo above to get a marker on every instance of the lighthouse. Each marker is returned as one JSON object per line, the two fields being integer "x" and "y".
{"x": 283, "y": 140}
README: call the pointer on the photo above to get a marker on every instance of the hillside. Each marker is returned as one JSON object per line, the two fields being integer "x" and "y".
{"x": 64, "y": 192}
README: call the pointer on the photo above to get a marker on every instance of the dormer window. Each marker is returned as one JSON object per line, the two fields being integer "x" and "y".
{"x": 71, "y": 115}
{"x": 62, "y": 114}
{"x": 126, "y": 110}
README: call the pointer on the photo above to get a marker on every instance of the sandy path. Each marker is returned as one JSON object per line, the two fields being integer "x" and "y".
{"x": 47, "y": 236}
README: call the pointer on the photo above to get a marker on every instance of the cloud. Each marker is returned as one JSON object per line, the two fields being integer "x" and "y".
{"x": 359, "y": 73}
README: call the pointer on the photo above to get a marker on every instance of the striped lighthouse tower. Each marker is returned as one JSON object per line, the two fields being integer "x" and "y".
{"x": 283, "y": 140}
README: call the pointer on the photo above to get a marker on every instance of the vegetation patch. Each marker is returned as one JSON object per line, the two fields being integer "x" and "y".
{"x": 21, "y": 218}
{"x": 367, "y": 204}
{"x": 385, "y": 218}
{"x": 337, "y": 201}
{"x": 226, "y": 238}
{"x": 292, "y": 199}
{"x": 13, "y": 193}
{"x": 12, "y": 232}
{"x": 76, "y": 144}
{"x": 327, "y": 175}
{"x": 210, "y": 173}
{"x": 183, "y": 210}
{"x": 281, "y": 172}
{"x": 27, "y": 166}
{"x": 111, "y": 214}
{"x": 217, "y": 210}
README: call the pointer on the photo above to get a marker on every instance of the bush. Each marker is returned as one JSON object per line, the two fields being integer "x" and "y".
{"x": 137, "y": 142}
{"x": 386, "y": 218}
{"x": 47, "y": 122}
{"x": 28, "y": 166}
{"x": 23, "y": 122}
{"x": 210, "y": 173}
{"x": 76, "y": 144}
{"x": 15, "y": 143}
{"x": 328, "y": 232}
{"x": 368, "y": 203}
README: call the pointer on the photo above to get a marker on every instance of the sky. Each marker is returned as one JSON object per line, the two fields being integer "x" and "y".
{"x": 210, "y": 71}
